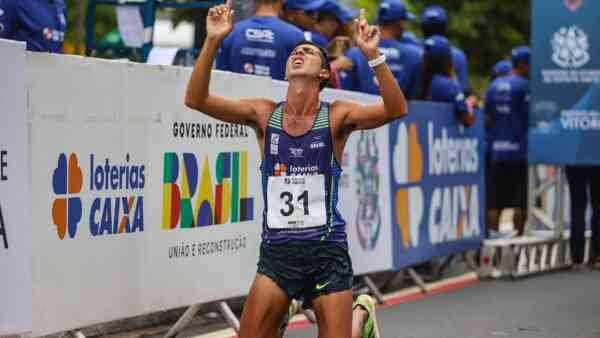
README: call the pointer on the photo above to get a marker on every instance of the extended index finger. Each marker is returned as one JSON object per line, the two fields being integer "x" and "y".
{"x": 229, "y": 3}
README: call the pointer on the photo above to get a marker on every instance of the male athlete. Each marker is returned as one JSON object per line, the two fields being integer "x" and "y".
{"x": 304, "y": 253}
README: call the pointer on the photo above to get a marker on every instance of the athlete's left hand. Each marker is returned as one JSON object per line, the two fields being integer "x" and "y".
{"x": 367, "y": 37}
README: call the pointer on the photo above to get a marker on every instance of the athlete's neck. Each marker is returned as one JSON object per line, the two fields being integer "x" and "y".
{"x": 390, "y": 33}
{"x": 268, "y": 9}
{"x": 302, "y": 98}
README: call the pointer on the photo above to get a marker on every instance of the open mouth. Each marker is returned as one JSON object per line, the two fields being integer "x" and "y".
{"x": 297, "y": 61}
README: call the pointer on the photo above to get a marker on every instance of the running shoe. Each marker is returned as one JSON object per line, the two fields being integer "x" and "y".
{"x": 370, "y": 329}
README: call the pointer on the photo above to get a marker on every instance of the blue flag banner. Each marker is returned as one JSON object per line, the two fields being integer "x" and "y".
{"x": 437, "y": 184}
{"x": 564, "y": 123}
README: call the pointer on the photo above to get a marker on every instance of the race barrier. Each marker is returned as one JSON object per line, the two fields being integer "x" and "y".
{"x": 140, "y": 205}
{"x": 15, "y": 224}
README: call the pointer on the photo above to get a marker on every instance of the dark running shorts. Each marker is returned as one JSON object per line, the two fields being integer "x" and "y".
{"x": 307, "y": 269}
{"x": 508, "y": 185}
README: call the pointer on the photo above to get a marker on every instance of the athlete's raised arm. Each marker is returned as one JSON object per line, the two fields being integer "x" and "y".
{"x": 219, "y": 23}
{"x": 358, "y": 116}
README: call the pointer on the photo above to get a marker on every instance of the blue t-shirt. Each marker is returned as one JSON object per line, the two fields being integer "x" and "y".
{"x": 404, "y": 61}
{"x": 446, "y": 89}
{"x": 317, "y": 38}
{"x": 507, "y": 103}
{"x": 39, "y": 23}
{"x": 459, "y": 61}
{"x": 259, "y": 45}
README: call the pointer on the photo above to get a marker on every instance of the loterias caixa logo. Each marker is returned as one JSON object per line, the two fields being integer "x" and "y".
{"x": 430, "y": 186}
{"x": 107, "y": 197}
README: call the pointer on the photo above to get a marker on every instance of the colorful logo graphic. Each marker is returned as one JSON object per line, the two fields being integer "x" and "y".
{"x": 368, "y": 214}
{"x": 281, "y": 169}
{"x": 107, "y": 214}
{"x": 67, "y": 181}
{"x": 223, "y": 199}
{"x": 408, "y": 172}
{"x": 573, "y": 5}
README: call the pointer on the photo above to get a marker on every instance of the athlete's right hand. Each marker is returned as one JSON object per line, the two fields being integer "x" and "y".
{"x": 219, "y": 21}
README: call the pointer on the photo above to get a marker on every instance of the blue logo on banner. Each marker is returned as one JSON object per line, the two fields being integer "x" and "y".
{"x": 564, "y": 123}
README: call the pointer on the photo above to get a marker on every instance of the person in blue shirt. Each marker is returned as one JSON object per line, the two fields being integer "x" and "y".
{"x": 303, "y": 14}
{"x": 41, "y": 24}
{"x": 439, "y": 84}
{"x": 404, "y": 59}
{"x": 335, "y": 23}
{"x": 334, "y": 20}
{"x": 410, "y": 38}
{"x": 434, "y": 21}
{"x": 507, "y": 110}
{"x": 260, "y": 44}
{"x": 501, "y": 68}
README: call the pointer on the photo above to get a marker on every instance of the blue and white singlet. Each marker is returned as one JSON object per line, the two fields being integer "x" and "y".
{"x": 300, "y": 178}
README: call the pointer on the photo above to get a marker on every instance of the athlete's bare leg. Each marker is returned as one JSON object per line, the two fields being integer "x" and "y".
{"x": 519, "y": 218}
{"x": 334, "y": 315}
{"x": 359, "y": 316}
{"x": 265, "y": 307}
{"x": 493, "y": 216}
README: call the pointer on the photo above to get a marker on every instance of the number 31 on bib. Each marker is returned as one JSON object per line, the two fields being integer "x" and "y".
{"x": 296, "y": 202}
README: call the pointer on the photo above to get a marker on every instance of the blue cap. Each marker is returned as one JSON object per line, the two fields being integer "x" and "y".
{"x": 305, "y": 5}
{"x": 520, "y": 55}
{"x": 393, "y": 10}
{"x": 437, "y": 45}
{"x": 342, "y": 14}
{"x": 501, "y": 68}
{"x": 434, "y": 15}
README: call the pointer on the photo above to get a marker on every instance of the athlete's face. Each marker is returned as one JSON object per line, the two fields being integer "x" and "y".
{"x": 305, "y": 60}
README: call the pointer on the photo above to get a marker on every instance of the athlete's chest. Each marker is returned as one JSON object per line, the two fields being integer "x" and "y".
{"x": 296, "y": 126}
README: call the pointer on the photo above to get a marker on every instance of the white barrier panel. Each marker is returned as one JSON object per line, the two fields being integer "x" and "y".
{"x": 140, "y": 204}
{"x": 364, "y": 193}
{"x": 15, "y": 225}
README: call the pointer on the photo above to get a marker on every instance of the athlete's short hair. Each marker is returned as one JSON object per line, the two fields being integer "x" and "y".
{"x": 324, "y": 60}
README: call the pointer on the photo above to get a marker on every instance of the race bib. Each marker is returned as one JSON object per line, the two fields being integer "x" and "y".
{"x": 296, "y": 202}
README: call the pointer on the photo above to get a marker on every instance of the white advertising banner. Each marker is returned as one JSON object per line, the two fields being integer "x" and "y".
{"x": 364, "y": 200}
{"x": 364, "y": 194}
{"x": 141, "y": 204}
{"x": 15, "y": 224}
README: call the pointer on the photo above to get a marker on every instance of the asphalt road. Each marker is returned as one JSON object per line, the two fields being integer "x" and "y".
{"x": 557, "y": 305}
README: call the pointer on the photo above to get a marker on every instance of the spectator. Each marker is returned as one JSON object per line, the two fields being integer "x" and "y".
{"x": 403, "y": 59}
{"x": 501, "y": 68}
{"x": 260, "y": 44}
{"x": 410, "y": 38}
{"x": 580, "y": 178}
{"x": 439, "y": 84}
{"x": 303, "y": 14}
{"x": 336, "y": 24}
{"x": 434, "y": 21}
{"x": 334, "y": 20}
{"x": 507, "y": 107}
{"x": 39, "y": 23}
